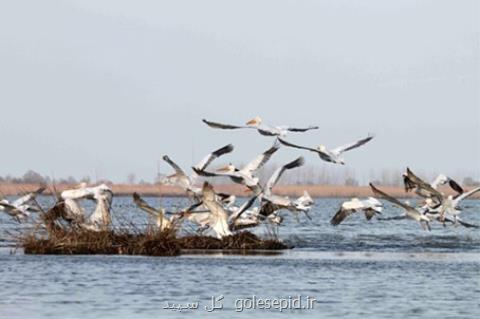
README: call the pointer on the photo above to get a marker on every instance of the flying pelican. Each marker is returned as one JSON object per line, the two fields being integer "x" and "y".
{"x": 277, "y": 202}
{"x": 333, "y": 155}
{"x": 410, "y": 212}
{"x": 20, "y": 208}
{"x": 100, "y": 219}
{"x": 437, "y": 202}
{"x": 182, "y": 180}
{"x": 246, "y": 174}
{"x": 369, "y": 206}
{"x": 442, "y": 179}
{"x": 263, "y": 129}
{"x": 162, "y": 222}
{"x": 421, "y": 188}
{"x": 218, "y": 217}
{"x": 304, "y": 202}
{"x": 450, "y": 205}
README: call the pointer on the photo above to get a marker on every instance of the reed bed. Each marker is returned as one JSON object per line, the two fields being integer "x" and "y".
{"x": 164, "y": 243}
{"x": 58, "y": 236}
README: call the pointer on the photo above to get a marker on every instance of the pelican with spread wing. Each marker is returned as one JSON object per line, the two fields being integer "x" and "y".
{"x": 21, "y": 208}
{"x": 245, "y": 175}
{"x": 258, "y": 125}
{"x": 370, "y": 206}
{"x": 187, "y": 182}
{"x": 332, "y": 155}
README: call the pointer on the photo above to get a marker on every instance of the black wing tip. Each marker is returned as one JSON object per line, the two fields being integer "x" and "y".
{"x": 135, "y": 196}
{"x": 224, "y": 150}
{"x": 165, "y": 157}
{"x": 296, "y": 163}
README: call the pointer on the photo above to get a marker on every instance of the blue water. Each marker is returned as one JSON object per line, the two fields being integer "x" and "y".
{"x": 359, "y": 269}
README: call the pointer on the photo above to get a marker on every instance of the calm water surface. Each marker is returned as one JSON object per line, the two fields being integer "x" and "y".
{"x": 357, "y": 270}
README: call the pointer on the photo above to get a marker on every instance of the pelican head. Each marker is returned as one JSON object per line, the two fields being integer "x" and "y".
{"x": 255, "y": 121}
{"x": 230, "y": 168}
{"x": 321, "y": 148}
{"x": 442, "y": 179}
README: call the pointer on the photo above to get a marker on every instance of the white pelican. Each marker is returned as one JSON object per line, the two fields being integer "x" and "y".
{"x": 272, "y": 203}
{"x": 162, "y": 222}
{"x": 182, "y": 180}
{"x": 450, "y": 205}
{"x": 263, "y": 129}
{"x": 218, "y": 217}
{"x": 436, "y": 202}
{"x": 246, "y": 175}
{"x": 442, "y": 179}
{"x": 369, "y": 206}
{"x": 21, "y": 207}
{"x": 333, "y": 155}
{"x": 304, "y": 202}
{"x": 410, "y": 212}
{"x": 420, "y": 187}
{"x": 100, "y": 219}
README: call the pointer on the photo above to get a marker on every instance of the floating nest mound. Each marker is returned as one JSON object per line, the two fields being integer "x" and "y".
{"x": 104, "y": 242}
{"x": 151, "y": 244}
{"x": 62, "y": 236}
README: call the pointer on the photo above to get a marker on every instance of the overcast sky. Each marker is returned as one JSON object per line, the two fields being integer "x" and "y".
{"x": 110, "y": 86}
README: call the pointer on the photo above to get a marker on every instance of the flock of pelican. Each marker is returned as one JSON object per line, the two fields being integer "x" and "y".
{"x": 217, "y": 214}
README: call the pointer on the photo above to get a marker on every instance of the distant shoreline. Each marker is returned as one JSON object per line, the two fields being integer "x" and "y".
{"x": 318, "y": 191}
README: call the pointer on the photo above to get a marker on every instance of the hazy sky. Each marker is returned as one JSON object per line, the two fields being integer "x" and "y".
{"x": 110, "y": 86}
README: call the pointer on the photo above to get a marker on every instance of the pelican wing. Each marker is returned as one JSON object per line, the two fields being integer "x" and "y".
{"x": 279, "y": 171}
{"x": 261, "y": 159}
{"x": 455, "y": 186}
{"x": 351, "y": 146}
{"x": 144, "y": 206}
{"x": 341, "y": 214}
{"x": 370, "y": 212}
{"x": 212, "y": 156}
{"x": 242, "y": 209}
{"x": 207, "y": 173}
{"x": 415, "y": 180}
{"x": 28, "y": 197}
{"x": 223, "y": 126}
{"x": 174, "y": 165}
{"x": 468, "y": 225}
{"x": 302, "y": 129}
{"x": 208, "y": 192}
{"x": 286, "y": 143}
{"x": 389, "y": 198}
{"x": 466, "y": 195}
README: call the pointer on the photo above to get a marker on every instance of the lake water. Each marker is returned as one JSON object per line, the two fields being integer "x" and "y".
{"x": 360, "y": 269}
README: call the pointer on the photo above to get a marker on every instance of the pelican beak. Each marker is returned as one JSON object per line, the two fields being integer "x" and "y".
{"x": 246, "y": 190}
{"x": 223, "y": 169}
{"x": 251, "y": 122}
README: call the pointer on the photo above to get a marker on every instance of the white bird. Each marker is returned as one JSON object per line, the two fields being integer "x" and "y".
{"x": 333, "y": 155}
{"x": 272, "y": 202}
{"x": 410, "y": 212}
{"x": 369, "y": 206}
{"x": 263, "y": 129}
{"x": 246, "y": 175}
{"x": 218, "y": 217}
{"x": 21, "y": 207}
{"x": 187, "y": 183}
{"x": 450, "y": 206}
{"x": 442, "y": 179}
{"x": 162, "y": 221}
{"x": 304, "y": 202}
{"x": 438, "y": 205}
{"x": 100, "y": 219}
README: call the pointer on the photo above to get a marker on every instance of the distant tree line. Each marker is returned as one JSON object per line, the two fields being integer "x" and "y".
{"x": 306, "y": 175}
